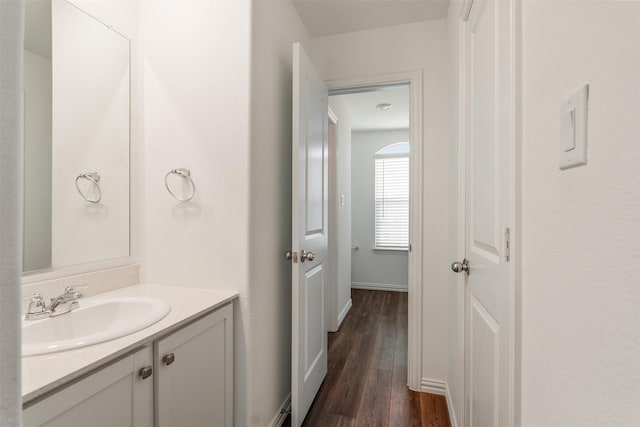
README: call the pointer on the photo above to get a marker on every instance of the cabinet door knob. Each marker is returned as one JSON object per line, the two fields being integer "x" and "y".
{"x": 145, "y": 372}
{"x": 169, "y": 358}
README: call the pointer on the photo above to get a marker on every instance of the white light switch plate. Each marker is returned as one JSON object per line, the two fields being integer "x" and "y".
{"x": 573, "y": 129}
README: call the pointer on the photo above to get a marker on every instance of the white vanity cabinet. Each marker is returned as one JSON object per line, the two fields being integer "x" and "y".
{"x": 116, "y": 395}
{"x": 190, "y": 384}
{"x": 194, "y": 374}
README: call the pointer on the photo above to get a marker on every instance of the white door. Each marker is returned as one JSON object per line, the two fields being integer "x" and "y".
{"x": 489, "y": 117}
{"x": 309, "y": 234}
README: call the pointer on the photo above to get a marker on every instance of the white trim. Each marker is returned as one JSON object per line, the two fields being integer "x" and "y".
{"x": 516, "y": 247}
{"x": 283, "y": 413}
{"x": 465, "y": 9}
{"x": 344, "y": 312}
{"x": 379, "y": 286}
{"x": 332, "y": 116}
{"x": 414, "y": 78}
{"x": 461, "y": 253}
{"x": 428, "y": 385}
{"x": 452, "y": 414}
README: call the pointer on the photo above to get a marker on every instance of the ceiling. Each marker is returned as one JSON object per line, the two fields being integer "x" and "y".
{"x": 365, "y": 116}
{"x": 328, "y": 17}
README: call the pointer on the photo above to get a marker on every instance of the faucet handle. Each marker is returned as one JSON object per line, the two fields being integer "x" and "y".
{"x": 36, "y": 303}
{"x": 76, "y": 290}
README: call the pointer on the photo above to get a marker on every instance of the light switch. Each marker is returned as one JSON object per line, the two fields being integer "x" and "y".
{"x": 569, "y": 129}
{"x": 342, "y": 200}
{"x": 573, "y": 129}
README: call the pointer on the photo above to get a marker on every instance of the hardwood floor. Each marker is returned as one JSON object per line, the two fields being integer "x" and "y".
{"x": 367, "y": 376}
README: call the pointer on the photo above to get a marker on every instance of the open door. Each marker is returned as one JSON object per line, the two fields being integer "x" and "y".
{"x": 489, "y": 214}
{"x": 309, "y": 234}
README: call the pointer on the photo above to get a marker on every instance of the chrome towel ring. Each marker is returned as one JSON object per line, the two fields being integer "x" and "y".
{"x": 93, "y": 177}
{"x": 185, "y": 174}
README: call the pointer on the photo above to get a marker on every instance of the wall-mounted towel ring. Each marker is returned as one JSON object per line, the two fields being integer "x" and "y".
{"x": 182, "y": 173}
{"x": 93, "y": 177}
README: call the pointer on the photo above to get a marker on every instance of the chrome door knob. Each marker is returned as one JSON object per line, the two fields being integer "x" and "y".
{"x": 459, "y": 267}
{"x": 306, "y": 256}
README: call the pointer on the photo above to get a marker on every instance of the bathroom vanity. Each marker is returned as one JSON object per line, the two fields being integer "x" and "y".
{"x": 178, "y": 371}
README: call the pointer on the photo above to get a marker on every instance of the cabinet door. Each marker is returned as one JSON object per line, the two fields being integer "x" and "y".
{"x": 113, "y": 396}
{"x": 194, "y": 381}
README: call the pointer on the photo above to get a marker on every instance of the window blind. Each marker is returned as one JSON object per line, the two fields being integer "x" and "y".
{"x": 392, "y": 202}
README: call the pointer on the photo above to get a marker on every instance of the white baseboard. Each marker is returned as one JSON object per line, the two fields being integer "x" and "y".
{"x": 282, "y": 413}
{"x": 452, "y": 413}
{"x": 379, "y": 287}
{"x": 428, "y": 385}
{"x": 344, "y": 312}
{"x": 438, "y": 387}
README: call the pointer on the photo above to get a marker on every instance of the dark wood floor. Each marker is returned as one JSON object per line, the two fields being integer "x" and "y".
{"x": 366, "y": 381}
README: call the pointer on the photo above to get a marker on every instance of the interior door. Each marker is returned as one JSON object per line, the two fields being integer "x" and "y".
{"x": 489, "y": 305}
{"x": 309, "y": 234}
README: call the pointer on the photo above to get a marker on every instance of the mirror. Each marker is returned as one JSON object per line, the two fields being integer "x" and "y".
{"x": 76, "y": 138}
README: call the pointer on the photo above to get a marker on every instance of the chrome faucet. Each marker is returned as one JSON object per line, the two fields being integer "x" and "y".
{"x": 61, "y": 304}
{"x": 67, "y": 301}
{"x": 37, "y": 307}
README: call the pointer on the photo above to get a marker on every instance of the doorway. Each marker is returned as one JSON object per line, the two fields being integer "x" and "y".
{"x": 385, "y": 144}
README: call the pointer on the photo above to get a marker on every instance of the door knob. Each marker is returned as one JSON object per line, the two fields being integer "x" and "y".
{"x": 304, "y": 255}
{"x": 459, "y": 267}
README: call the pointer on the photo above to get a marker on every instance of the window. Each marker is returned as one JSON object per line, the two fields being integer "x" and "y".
{"x": 392, "y": 197}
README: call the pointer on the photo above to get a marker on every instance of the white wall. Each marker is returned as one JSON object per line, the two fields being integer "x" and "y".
{"x": 275, "y": 26}
{"x": 90, "y": 134}
{"x": 194, "y": 59}
{"x": 374, "y": 269}
{"x": 217, "y": 96}
{"x": 11, "y": 51}
{"x": 340, "y": 208}
{"x": 397, "y": 49}
{"x": 37, "y": 162}
{"x": 581, "y": 292}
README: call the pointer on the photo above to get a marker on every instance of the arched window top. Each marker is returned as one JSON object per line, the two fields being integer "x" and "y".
{"x": 396, "y": 148}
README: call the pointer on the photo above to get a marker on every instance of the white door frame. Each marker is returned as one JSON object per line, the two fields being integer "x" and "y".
{"x": 515, "y": 274}
{"x": 414, "y": 79}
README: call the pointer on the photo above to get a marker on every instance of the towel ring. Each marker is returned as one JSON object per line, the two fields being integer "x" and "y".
{"x": 93, "y": 177}
{"x": 182, "y": 173}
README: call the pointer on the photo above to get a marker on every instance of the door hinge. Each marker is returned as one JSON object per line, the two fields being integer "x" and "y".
{"x": 507, "y": 244}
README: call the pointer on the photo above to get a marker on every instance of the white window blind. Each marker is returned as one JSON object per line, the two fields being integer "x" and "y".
{"x": 392, "y": 201}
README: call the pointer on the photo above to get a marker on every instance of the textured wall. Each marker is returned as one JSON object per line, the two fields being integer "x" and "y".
{"x": 581, "y": 276}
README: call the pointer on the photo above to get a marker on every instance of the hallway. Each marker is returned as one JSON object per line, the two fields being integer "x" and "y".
{"x": 366, "y": 380}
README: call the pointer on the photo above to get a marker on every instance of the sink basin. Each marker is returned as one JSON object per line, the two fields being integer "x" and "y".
{"x": 97, "y": 320}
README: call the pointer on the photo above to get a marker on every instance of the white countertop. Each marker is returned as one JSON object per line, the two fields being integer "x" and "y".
{"x": 41, "y": 374}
